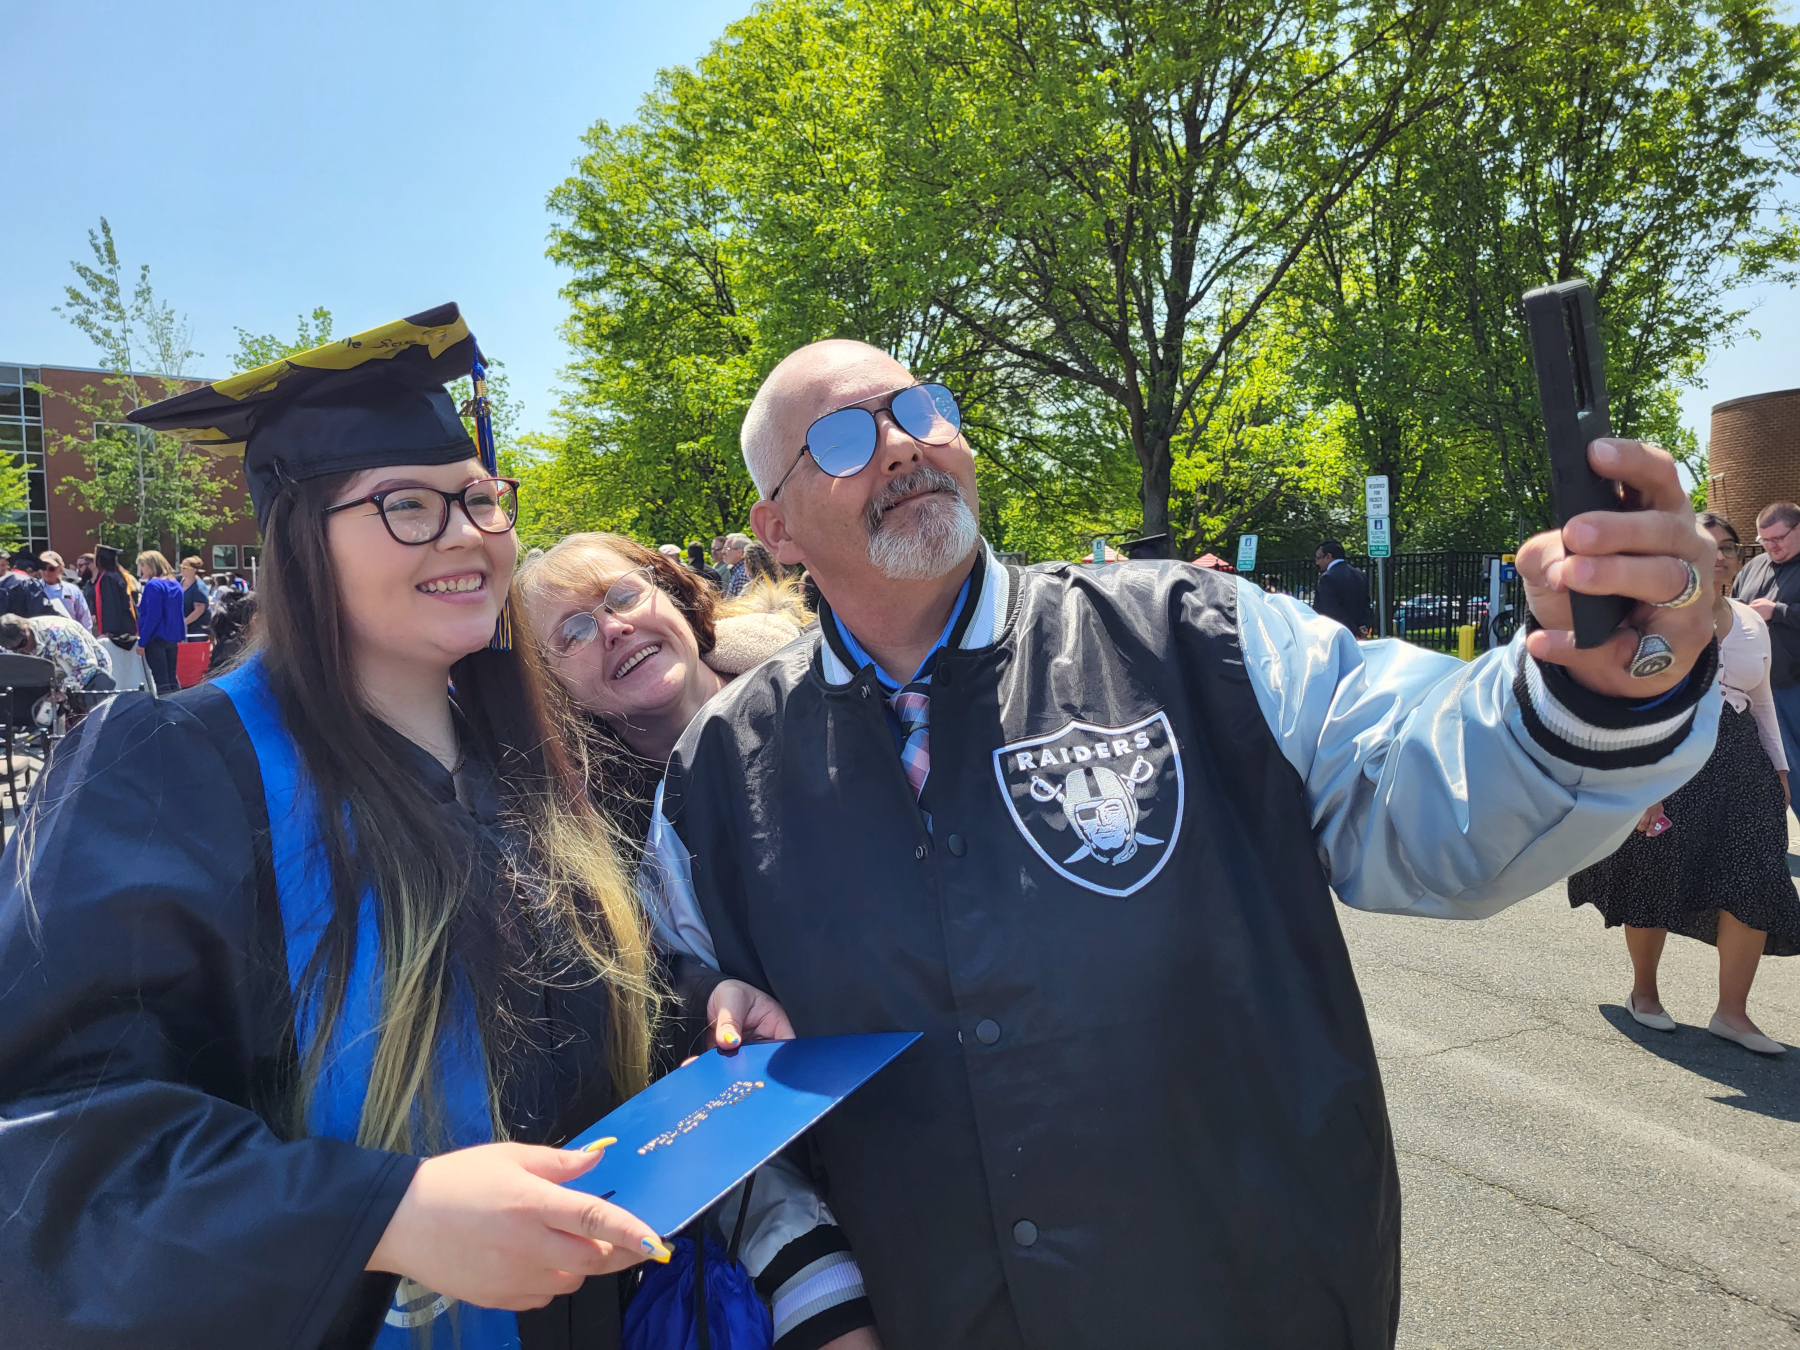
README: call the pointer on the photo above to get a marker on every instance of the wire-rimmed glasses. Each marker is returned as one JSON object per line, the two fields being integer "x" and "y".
{"x": 629, "y": 593}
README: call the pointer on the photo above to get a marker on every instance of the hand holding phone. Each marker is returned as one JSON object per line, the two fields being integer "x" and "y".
{"x": 1570, "y": 362}
{"x": 1601, "y": 587}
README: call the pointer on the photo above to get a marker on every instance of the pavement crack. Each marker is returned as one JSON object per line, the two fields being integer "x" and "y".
{"x": 1700, "y": 1274}
{"x": 1467, "y": 1045}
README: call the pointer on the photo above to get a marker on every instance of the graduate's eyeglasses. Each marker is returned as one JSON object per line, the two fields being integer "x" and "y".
{"x": 1731, "y": 550}
{"x": 630, "y": 592}
{"x": 420, "y": 515}
{"x": 842, "y": 442}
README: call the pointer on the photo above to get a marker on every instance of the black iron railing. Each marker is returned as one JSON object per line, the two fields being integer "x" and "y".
{"x": 1429, "y": 595}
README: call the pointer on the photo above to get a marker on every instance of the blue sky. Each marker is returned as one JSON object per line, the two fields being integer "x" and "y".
{"x": 374, "y": 158}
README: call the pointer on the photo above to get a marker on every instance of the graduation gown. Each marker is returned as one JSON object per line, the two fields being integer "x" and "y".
{"x": 153, "y": 1192}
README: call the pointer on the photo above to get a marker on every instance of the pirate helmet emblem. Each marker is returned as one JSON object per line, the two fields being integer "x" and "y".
{"x": 1102, "y": 809}
{"x": 1096, "y": 786}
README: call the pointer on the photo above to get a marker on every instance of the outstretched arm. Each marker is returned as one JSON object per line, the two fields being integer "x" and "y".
{"x": 1453, "y": 790}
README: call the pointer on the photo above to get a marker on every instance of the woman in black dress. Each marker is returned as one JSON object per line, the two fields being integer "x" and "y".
{"x": 1710, "y": 862}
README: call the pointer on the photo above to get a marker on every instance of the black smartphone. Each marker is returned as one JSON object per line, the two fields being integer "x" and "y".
{"x": 1570, "y": 362}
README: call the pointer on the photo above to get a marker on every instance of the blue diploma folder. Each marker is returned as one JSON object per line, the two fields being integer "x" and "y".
{"x": 687, "y": 1139}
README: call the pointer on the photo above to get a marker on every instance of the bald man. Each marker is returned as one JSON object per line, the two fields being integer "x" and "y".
{"x": 1080, "y": 827}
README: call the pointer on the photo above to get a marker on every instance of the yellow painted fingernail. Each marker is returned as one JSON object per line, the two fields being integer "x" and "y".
{"x": 599, "y": 1144}
{"x": 729, "y": 1038}
{"x": 656, "y": 1251}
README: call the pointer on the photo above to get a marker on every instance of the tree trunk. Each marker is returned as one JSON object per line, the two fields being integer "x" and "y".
{"x": 1154, "y": 494}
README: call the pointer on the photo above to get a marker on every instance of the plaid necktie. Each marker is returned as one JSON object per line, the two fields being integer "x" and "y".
{"x": 912, "y": 707}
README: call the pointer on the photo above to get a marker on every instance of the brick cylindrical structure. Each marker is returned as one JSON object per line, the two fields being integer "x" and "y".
{"x": 1754, "y": 456}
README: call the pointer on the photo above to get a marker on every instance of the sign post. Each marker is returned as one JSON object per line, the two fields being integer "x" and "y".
{"x": 1246, "y": 559}
{"x": 1375, "y": 497}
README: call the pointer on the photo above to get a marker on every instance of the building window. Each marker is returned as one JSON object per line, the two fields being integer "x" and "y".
{"x": 22, "y": 442}
{"x": 225, "y": 557}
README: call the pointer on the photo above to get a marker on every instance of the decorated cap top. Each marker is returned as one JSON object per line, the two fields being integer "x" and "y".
{"x": 363, "y": 402}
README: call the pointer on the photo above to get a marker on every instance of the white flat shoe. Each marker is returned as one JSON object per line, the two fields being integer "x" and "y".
{"x": 1750, "y": 1040}
{"x": 1655, "y": 1021}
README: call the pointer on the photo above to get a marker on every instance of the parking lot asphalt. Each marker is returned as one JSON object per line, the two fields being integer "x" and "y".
{"x": 1570, "y": 1178}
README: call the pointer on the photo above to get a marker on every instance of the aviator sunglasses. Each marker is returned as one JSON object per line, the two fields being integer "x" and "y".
{"x": 626, "y": 594}
{"x": 842, "y": 442}
{"x": 420, "y": 515}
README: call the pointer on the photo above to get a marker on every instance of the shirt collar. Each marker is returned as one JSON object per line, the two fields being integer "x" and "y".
{"x": 980, "y": 610}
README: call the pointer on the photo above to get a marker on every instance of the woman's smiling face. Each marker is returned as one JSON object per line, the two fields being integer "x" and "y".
{"x": 642, "y": 663}
{"x": 434, "y": 602}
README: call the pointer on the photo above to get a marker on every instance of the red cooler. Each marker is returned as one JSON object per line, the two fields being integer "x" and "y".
{"x": 191, "y": 659}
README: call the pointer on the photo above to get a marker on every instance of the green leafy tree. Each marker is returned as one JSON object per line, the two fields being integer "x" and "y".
{"x": 1116, "y": 190}
{"x": 266, "y": 348}
{"x": 147, "y": 489}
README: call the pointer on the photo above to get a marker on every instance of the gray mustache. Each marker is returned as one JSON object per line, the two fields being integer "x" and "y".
{"x": 922, "y": 479}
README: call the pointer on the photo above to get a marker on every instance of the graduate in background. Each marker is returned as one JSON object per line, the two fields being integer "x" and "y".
{"x": 234, "y": 1055}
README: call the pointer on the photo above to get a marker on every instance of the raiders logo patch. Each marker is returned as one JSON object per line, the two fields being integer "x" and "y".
{"x": 1101, "y": 805}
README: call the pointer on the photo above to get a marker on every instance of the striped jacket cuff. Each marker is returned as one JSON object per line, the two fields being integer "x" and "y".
{"x": 816, "y": 1290}
{"x": 1595, "y": 731}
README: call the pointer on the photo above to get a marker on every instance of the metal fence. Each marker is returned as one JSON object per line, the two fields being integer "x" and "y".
{"x": 1429, "y": 595}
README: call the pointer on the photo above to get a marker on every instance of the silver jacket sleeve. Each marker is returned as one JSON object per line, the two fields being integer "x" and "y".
{"x": 1430, "y": 793}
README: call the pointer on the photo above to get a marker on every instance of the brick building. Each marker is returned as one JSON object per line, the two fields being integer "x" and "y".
{"x": 31, "y": 426}
{"x": 1753, "y": 457}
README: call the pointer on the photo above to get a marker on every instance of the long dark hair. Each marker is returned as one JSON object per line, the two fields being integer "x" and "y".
{"x": 569, "y": 888}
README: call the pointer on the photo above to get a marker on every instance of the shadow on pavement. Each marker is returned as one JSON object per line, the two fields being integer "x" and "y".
{"x": 1769, "y": 1086}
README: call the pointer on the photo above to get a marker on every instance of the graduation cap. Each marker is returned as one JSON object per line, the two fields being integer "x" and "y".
{"x": 363, "y": 402}
{"x": 1150, "y": 546}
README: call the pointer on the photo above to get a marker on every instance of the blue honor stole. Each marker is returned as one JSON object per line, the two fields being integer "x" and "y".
{"x": 303, "y": 886}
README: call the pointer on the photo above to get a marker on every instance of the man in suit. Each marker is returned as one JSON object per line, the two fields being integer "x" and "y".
{"x": 1343, "y": 591}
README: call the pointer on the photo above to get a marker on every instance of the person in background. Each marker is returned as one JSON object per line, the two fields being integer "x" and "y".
{"x": 65, "y": 593}
{"x": 738, "y": 575}
{"x": 696, "y": 559}
{"x": 1770, "y": 585}
{"x": 721, "y": 569}
{"x": 197, "y": 597}
{"x": 115, "y": 597}
{"x": 232, "y": 617}
{"x": 21, "y": 592}
{"x": 85, "y": 573}
{"x": 670, "y": 551}
{"x": 1343, "y": 591}
{"x": 76, "y": 653}
{"x": 1710, "y": 861}
{"x": 760, "y": 565}
{"x": 160, "y": 626}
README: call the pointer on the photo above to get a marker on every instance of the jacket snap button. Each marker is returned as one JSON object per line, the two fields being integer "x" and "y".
{"x": 987, "y": 1031}
{"x": 957, "y": 845}
{"x": 1025, "y": 1232}
{"x": 919, "y": 852}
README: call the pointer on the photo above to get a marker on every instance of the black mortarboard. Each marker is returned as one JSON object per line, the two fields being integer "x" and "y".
{"x": 1150, "y": 546}
{"x": 363, "y": 402}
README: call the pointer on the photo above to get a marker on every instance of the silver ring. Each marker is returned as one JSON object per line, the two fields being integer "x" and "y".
{"x": 1654, "y": 655}
{"x": 1688, "y": 595}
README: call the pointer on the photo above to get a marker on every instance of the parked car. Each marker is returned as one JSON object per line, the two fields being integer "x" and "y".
{"x": 1424, "y": 611}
